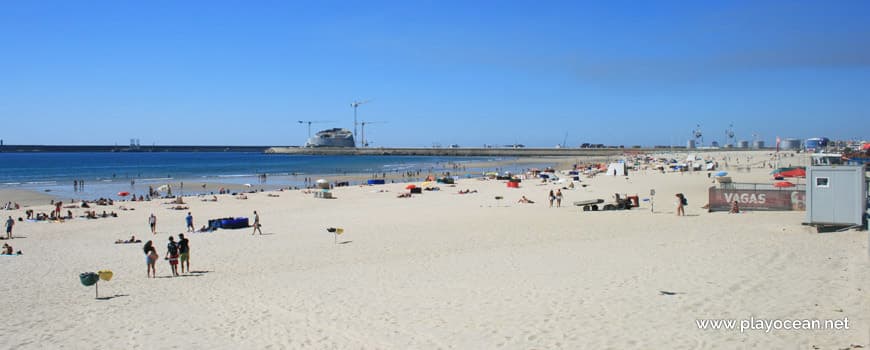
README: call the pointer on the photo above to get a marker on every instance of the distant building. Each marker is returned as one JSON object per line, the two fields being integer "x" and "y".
{"x": 335, "y": 137}
{"x": 790, "y": 144}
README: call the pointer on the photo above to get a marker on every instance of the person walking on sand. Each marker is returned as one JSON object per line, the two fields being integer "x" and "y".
{"x": 256, "y": 223}
{"x": 681, "y": 202}
{"x": 150, "y": 258}
{"x": 551, "y": 197}
{"x": 558, "y": 198}
{"x": 9, "y": 223}
{"x": 152, "y": 221}
{"x": 172, "y": 255}
{"x": 189, "y": 220}
{"x": 184, "y": 252}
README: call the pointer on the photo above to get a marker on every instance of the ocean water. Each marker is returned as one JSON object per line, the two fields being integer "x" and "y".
{"x": 107, "y": 173}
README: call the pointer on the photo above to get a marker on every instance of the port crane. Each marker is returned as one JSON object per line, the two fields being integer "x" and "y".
{"x": 730, "y": 134}
{"x": 356, "y": 104}
{"x": 309, "y": 122}
{"x": 699, "y": 136}
{"x": 365, "y": 143}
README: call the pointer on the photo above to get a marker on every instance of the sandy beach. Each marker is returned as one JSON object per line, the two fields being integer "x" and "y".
{"x": 442, "y": 270}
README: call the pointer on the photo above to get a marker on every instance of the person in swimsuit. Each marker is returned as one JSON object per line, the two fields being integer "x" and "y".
{"x": 681, "y": 202}
{"x": 152, "y": 221}
{"x": 9, "y": 223}
{"x": 256, "y": 223}
{"x": 172, "y": 255}
{"x": 150, "y": 258}
{"x": 184, "y": 252}
{"x": 189, "y": 220}
{"x": 558, "y": 198}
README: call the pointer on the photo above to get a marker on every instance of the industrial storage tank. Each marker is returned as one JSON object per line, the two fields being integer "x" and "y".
{"x": 758, "y": 144}
{"x": 791, "y": 144}
{"x": 690, "y": 144}
{"x": 742, "y": 144}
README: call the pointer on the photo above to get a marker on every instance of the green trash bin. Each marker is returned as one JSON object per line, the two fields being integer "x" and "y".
{"x": 89, "y": 278}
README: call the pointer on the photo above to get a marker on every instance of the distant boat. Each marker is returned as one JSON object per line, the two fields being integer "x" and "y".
{"x": 335, "y": 137}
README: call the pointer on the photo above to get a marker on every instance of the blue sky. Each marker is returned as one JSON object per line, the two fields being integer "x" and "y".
{"x": 464, "y": 72}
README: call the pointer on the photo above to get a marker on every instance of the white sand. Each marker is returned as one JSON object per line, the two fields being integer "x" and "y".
{"x": 442, "y": 270}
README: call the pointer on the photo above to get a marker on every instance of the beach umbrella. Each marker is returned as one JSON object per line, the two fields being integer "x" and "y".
{"x": 722, "y": 173}
{"x": 411, "y": 186}
{"x": 783, "y": 184}
{"x": 124, "y": 194}
{"x": 322, "y": 184}
{"x": 163, "y": 188}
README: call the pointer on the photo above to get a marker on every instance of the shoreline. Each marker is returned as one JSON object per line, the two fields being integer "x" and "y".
{"x": 51, "y": 190}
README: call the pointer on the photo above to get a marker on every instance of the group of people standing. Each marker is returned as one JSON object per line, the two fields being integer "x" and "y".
{"x": 555, "y": 196}
{"x": 176, "y": 252}
{"x": 78, "y": 185}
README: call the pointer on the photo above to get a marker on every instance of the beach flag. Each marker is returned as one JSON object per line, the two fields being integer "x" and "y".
{"x": 777, "y": 143}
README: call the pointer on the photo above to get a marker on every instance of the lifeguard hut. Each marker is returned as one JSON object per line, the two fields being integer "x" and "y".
{"x": 837, "y": 197}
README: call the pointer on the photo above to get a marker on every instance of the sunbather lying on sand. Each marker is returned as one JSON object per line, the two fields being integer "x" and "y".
{"x": 404, "y": 195}
{"x": 7, "y": 250}
{"x": 131, "y": 240}
{"x": 525, "y": 200}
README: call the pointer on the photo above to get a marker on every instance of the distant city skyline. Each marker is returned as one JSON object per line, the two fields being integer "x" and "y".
{"x": 466, "y": 73}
